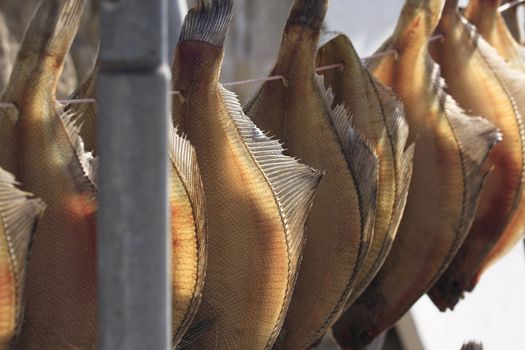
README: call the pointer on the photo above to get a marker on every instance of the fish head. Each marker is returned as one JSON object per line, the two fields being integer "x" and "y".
{"x": 447, "y": 292}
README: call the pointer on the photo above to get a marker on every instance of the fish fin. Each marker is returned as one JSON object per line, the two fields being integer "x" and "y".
{"x": 84, "y": 176}
{"x": 294, "y": 185}
{"x": 196, "y": 330}
{"x": 184, "y": 160}
{"x": 361, "y": 159}
{"x": 475, "y": 136}
{"x": 308, "y": 13}
{"x": 208, "y": 22}
{"x": 88, "y": 111}
{"x": 49, "y": 36}
{"x": 19, "y": 213}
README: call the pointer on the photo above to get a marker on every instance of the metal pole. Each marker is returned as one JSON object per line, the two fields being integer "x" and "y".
{"x": 133, "y": 247}
{"x": 177, "y": 11}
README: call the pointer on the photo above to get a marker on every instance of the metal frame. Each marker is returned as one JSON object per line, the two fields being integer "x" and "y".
{"x": 134, "y": 308}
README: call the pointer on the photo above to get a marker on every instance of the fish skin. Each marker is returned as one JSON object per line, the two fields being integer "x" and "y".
{"x": 257, "y": 199}
{"x": 380, "y": 117}
{"x": 489, "y": 22}
{"x": 301, "y": 113}
{"x": 447, "y": 177}
{"x": 19, "y": 214}
{"x": 188, "y": 234}
{"x": 467, "y": 60}
{"x": 41, "y": 146}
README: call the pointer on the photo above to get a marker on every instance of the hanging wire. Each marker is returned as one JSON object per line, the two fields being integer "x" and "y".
{"x": 502, "y": 8}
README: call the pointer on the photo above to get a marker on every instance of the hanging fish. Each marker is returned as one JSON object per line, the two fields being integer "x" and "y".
{"x": 19, "y": 214}
{"x": 87, "y": 110}
{"x": 6, "y": 55}
{"x": 489, "y": 22}
{"x": 380, "y": 117}
{"x": 448, "y": 175}
{"x": 302, "y": 114}
{"x": 257, "y": 199}
{"x": 468, "y": 61}
{"x": 188, "y": 237}
{"x": 41, "y": 146}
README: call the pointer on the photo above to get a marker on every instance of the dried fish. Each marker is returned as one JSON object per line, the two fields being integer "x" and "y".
{"x": 448, "y": 174}
{"x": 188, "y": 237}
{"x": 490, "y": 24}
{"x": 380, "y": 117}
{"x": 257, "y": 198}
{"x": 41, "y": 146}
{"x": 467, "y": 60}
{"x": 301, "y": 113}
{"x": 19, "y": 213}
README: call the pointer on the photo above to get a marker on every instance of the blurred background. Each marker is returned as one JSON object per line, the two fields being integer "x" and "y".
{"x": 493, "y": 314}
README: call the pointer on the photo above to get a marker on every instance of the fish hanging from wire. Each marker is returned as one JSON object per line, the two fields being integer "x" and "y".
{"x": 19, "y": 214}
{"x": 448, "y": 174}
{"x": 467, "y": 60}
{"x": 41, "y": 146}
{"x": 257, "y": 198}
{"x": 301, "y": 113}
{"x": 379, "y": 116}
{"x": 489, "y": 22}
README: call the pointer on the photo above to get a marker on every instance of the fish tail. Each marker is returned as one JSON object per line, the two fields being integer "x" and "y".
{"x": 420, "y": 17}
{"x": 208, "y": 22}
{"x": 308, "y": 13}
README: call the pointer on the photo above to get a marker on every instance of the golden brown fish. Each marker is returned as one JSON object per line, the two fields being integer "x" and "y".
{"x": 19, "y": 214}
{"x": 484, "y": 14}
{"x": 86, "y": 110}
{"x": 483, "y": 83}
{"x": 302, "y": 114}
{"x": 257, "y": 199}
{"x": 380, "y": 117}
{"x": 447, "y": 177}
{"x": 41, "y": 146}
{"x": 188, "y": 236}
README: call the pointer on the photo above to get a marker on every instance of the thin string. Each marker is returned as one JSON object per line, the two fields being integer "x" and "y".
{"x": 502, "y": 8}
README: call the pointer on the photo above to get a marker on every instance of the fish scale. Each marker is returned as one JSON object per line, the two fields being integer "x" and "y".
{"x": 302, "y": 114}
{"x": 257, "y": 198}
{"x": 468, "y": 60}
{"x": 42, "y": 147}
{"x": 448, "y": 174}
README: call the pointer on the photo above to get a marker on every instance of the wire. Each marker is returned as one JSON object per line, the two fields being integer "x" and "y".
{"x": 502, "y": 8}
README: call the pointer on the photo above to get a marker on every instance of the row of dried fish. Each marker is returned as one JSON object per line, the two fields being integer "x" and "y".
{"x": 411, "y": 194}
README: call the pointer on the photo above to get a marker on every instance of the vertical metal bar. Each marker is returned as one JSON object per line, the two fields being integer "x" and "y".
{"x": 133, "y": 247}
{"x": 176, "y": 13}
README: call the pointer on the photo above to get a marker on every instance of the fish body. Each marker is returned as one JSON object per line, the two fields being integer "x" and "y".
{"x": 468, "y": 61}
{"x": 379, "y": 116}
{"x": 257, "y": 199}
{"x": 489, "y": 22}
{"x": 448, "y": 173}
{"x": 19, "y": 213}
{"x": 302, "y": 114}
{"x": 41, "y": 146}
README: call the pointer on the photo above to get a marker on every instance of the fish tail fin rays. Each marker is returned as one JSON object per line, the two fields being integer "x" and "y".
{"x": 19, "y": 214}
{"x": 362, "y": 162}
{"x": 184, "y": 160}
{"x": 45, "y": 45}
{"x": 293, "y": 184}
{"x": 208, "y": 22}
{"x": 308, "y": 14}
